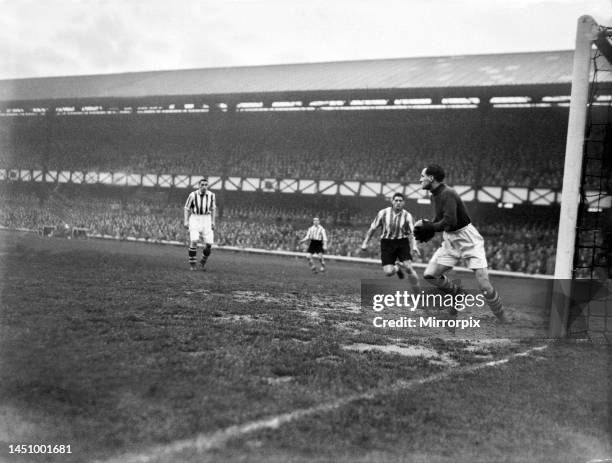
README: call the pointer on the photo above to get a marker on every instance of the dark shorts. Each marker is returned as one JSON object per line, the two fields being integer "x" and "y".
{"x": 315, "y": 247}
{"x": 392, "y": 250}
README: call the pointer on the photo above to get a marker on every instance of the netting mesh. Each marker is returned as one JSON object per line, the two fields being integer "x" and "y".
{"x": 593, "y": 256}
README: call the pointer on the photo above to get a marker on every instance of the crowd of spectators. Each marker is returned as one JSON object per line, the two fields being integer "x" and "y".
{"x": 520, "y": 246}
{"x": 511, "y": 147}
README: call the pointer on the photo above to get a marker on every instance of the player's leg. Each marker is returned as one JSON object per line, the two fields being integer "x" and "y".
{"x": 192, "y": 252}
{"x": 194, "y": 237}
{"x": 391, "y": 270}
{"x": 403, "y": 253}
{"x": 208, "y": 238}
{"x": 413, "y": 277}
{"x": 206, "y": 250}
{"x": 312, "y": 250}
{"x": 321, "y": 262}
{"x": 474, "y": 254}
{"x": 435, "y": 273}
{"x": 491, "y": 295}
{"x": 311, "y": 263}
{"x": 388, "y": 258}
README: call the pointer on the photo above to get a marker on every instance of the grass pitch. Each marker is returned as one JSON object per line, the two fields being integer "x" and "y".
{"x": 118, "y": 350}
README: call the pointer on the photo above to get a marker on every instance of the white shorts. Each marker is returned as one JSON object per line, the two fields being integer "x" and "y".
{"x": 464, "y": 244}
{"x": 200, "y": 228}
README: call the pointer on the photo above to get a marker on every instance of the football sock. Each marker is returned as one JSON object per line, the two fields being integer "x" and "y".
{"x": 205, "y": 253}
{"x": 192, "y": 255}
{"x": 494, "y": 302}
{"x": 444, "y": 283}
{"x": 414, "y": 282}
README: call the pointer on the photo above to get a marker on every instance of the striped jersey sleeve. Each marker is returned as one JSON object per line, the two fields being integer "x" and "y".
{"x": 213, "y": 202}
{"x": 409, "y": 223}
{"x": 379, "y": 220}
{"x": 190, "y": 200}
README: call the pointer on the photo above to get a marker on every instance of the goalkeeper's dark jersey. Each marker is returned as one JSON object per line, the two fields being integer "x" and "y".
{"x": 451, "y": 214}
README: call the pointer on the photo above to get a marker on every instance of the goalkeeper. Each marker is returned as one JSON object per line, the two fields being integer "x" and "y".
{"x": 461, "y": 240}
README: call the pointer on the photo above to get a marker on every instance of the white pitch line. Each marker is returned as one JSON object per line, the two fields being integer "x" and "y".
{"x": 204, "y": 442}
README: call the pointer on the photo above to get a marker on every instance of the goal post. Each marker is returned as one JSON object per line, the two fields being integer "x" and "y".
{"x": 588, "y": 34}
{"x": 572, "y": 172}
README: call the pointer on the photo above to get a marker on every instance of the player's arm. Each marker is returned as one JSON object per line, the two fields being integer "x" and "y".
{"x": 413, "y": 241}
{"x": 213, "y": 212}
{"x": 369, "y": 234}
{"x": 187, "y": 211}
{"x": 307, "y": 237}
{"x": 324, "y": 240}
{"x": 371, "y": 230}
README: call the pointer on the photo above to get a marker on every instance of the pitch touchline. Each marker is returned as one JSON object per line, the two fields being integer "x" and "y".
{"x": 204, "y": 442}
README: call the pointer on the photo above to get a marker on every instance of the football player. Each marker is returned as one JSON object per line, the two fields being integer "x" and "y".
{"x": 397, "y": 243}
{"x": 317, "y": 246}
{"x": 200, "y": 211}
{"x": 461, "y": 240}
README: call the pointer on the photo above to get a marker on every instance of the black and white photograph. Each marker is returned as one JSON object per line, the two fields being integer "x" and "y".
{"x": 300, "y": 231}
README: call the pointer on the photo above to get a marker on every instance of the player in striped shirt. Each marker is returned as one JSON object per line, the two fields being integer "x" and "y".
{"x": 318, "y": 244}
{"x": 397, "y": 243}
{"x": 200, "y": 212}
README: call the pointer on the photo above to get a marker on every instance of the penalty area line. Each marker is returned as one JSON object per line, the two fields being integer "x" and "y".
{"x": 208, "y": 441}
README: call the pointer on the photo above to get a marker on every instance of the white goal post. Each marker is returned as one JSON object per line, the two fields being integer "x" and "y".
{"x": 587, "y": 32}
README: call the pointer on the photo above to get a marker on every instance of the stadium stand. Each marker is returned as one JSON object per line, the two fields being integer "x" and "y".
{"x": 510, "y": 147}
